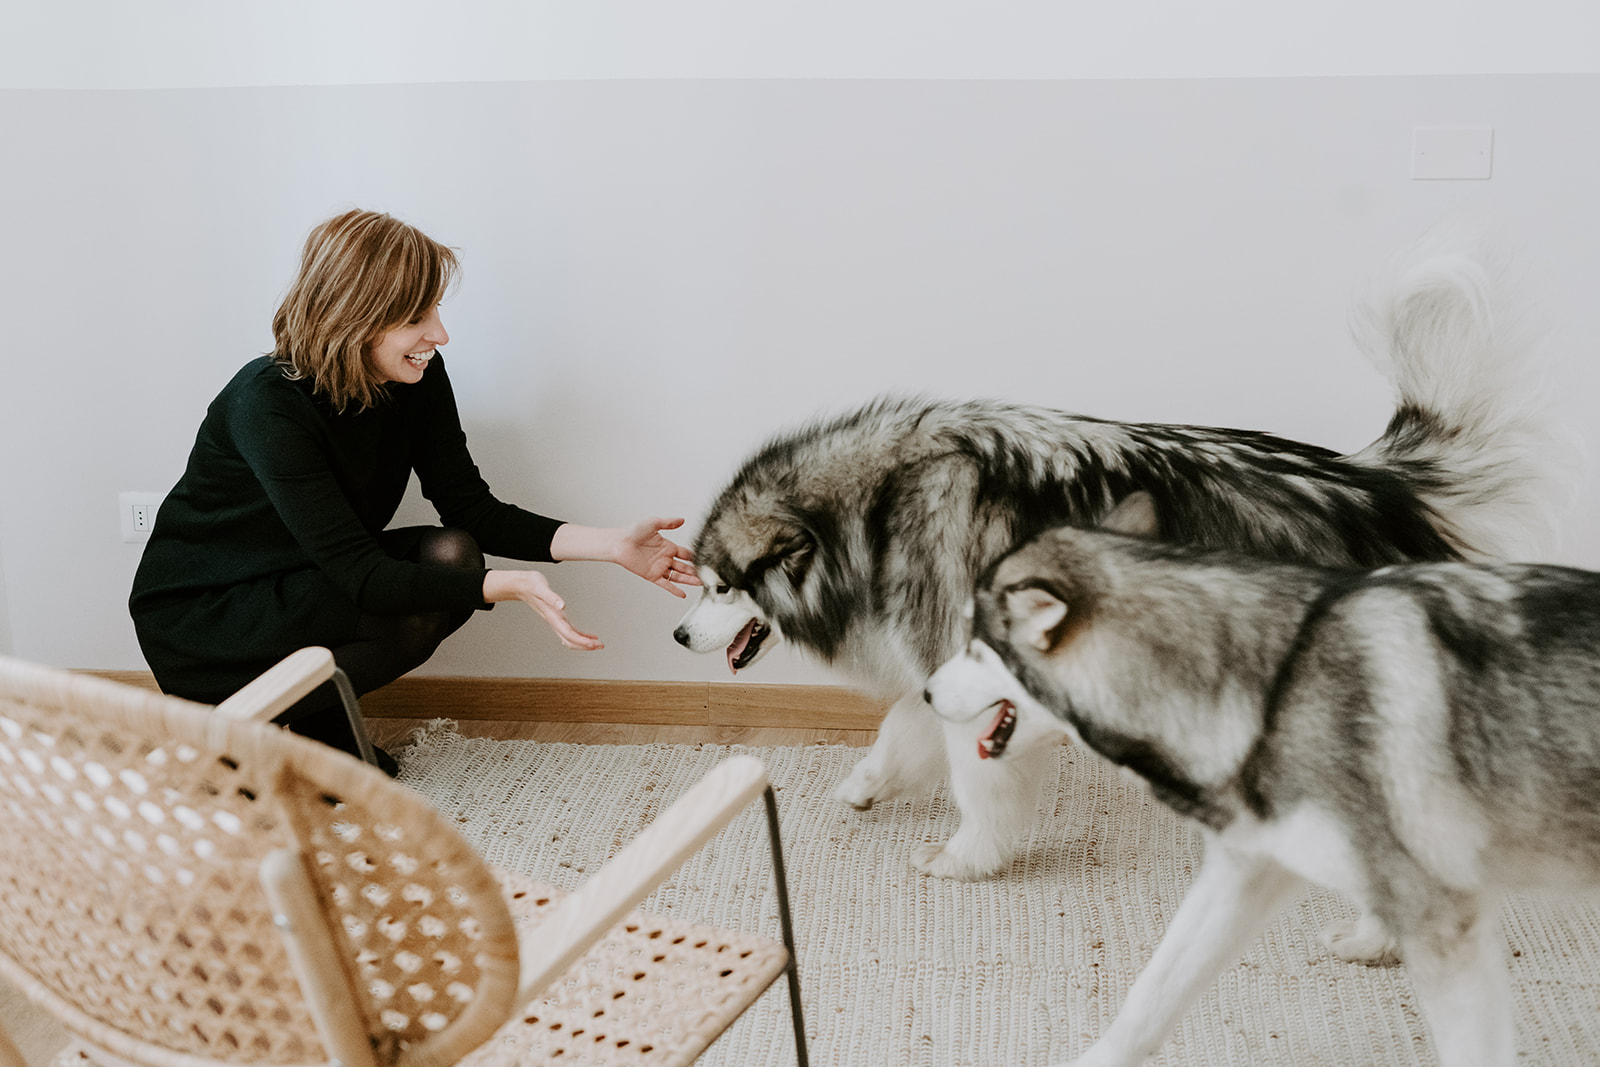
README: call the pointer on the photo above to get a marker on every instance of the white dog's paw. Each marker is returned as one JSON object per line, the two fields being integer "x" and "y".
{"x": 863, "y": 786}
{"x": 944, "y": 861}
{"x": 1364, "y": 940}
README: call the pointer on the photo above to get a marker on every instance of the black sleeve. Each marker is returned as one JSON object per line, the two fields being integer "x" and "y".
{"x": 451, "y": 481}
{"x": 277, "y": 435}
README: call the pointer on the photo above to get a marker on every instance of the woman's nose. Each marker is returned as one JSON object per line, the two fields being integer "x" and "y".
{"x": 435, "y": 333}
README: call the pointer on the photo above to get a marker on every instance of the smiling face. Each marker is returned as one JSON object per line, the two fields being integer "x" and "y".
{"x": 401, "y": 354}
{"x": 367, "y": 281}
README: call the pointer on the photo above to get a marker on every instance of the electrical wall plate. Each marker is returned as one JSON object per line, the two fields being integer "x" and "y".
{"x": 138, "y": 515}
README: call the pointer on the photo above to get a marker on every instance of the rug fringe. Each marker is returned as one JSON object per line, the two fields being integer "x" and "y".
{"x": 428, "y": 738}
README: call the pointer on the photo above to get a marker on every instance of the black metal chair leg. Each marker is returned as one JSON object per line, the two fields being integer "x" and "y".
{"x": 793, "y": 968}
{"x": 352, "y": 711}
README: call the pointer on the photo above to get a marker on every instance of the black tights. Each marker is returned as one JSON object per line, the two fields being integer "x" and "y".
{"x": 386, "y": 646}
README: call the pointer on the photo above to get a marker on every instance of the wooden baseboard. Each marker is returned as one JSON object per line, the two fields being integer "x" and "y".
{"x": 801, "y": 707}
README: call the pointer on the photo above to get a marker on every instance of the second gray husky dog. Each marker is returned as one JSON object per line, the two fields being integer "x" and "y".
{"x": 859, "y": 538}
{"x": 1422, "y": 738}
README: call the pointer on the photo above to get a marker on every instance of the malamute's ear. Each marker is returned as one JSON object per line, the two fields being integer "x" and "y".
{"x": 1134, "y": 515}
{"x": 795, "y": 556}
{"x": 1037, "y": 617}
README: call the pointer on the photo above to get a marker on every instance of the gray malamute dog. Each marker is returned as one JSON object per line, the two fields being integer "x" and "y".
{"x": 1423, "y": 738}
{"x": 859, "y": 538}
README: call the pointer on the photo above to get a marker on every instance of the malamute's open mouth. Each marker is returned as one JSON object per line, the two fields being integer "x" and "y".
{"x": 747, "y": 646}
{"x": 994, "y": 740}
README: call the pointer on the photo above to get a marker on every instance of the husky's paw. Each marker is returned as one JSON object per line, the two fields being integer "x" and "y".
{"x": 1364, "y": 940}
{"x": 862, "y": 787}
{"x": 941, "y": 861}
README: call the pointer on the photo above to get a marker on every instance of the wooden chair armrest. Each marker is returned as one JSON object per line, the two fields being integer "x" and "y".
{"x": 280, "y": 685}
{"x": 584, "y": 916}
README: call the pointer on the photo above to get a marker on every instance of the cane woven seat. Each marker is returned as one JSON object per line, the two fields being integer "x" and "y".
{"x": 182, "y": 887}
{"x": 680, "y": 983}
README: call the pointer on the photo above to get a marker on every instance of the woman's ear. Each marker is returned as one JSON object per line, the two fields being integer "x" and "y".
{"x": 1134, "y": 515}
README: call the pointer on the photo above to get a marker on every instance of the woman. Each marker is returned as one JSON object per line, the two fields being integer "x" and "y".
{"x": 275, "y": 538}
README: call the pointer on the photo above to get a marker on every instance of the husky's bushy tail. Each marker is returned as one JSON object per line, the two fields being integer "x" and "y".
{"x": 1473, "y": 427}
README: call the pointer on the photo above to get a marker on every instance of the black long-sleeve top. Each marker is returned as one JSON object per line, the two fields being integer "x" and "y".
{"x": 278, "y": 482}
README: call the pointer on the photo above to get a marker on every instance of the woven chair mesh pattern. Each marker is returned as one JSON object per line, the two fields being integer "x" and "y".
{"x": 143, "y": 859}
{"x": 429, "y": 936}
{"x": 680, "y": 982}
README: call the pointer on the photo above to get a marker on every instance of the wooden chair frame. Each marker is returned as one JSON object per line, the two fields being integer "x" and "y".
{"x": 305, "y": 800}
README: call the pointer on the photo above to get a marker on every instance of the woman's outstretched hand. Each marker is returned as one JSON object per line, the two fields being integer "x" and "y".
{"x": 642, "y": 550}
{"x": 533, "y": 589}
{"x": 639, "y": 548}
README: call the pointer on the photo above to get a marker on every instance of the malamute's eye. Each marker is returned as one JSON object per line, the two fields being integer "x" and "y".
{"x": 722, "y": 590}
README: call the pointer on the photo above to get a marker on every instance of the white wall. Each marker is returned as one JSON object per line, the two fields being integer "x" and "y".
{"x": 5, "y": 612}
{"x": 659, "y": 271}
{"x": 111, "y": 44}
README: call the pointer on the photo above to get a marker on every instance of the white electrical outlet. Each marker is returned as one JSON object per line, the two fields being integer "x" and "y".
{"x": 138, "y": 515}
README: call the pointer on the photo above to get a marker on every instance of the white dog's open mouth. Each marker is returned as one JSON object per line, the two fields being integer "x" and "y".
{"x": 992, "y": 743}
{"x": 747, "y": 646}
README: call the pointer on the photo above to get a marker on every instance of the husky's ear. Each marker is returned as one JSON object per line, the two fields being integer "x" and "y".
{"x": 795, "y": 556}
{"x": 1037, "y": 617}
{"x": 1134, "y": 515}
{"x": 787, "y": 553}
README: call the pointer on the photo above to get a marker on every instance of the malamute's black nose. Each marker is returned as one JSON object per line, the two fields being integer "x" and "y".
{"x": 681, "y": 636}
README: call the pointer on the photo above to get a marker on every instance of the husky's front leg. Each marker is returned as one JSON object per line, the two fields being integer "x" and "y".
{"x": 1458, "y": 970}
{"x": 1230, "y": 903}
{"x": 907, "y": 754}
{"x": 996, "y": 798}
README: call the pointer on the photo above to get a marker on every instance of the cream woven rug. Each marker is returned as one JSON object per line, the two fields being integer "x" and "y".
{"x": 899, "y": 969}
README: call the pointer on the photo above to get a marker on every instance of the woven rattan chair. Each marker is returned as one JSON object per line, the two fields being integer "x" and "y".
{"x": 184, "y": 886}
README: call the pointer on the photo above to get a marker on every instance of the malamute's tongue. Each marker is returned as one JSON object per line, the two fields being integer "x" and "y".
{"x": 994, "y": 740}
{"x": 738, "y": 645}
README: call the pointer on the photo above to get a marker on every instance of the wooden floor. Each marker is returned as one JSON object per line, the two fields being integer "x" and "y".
{"x": 392, "y": 733}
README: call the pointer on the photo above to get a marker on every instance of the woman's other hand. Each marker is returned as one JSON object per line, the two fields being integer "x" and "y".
{"x": 533, "y": 589}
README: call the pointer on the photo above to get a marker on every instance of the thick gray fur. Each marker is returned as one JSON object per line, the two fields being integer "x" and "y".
{"x": 1423, "y": 738}
{"x": 859, "y": 537}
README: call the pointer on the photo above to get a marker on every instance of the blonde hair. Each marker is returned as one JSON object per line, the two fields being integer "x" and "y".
{"x": 361, "y": 274}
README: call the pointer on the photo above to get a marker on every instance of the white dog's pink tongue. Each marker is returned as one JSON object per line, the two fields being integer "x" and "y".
{"x": 994, "y": 740}
{"x": 738, "y": 645}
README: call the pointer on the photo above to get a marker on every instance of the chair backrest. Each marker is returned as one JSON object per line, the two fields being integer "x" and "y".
{"x": 133, "y": 828}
